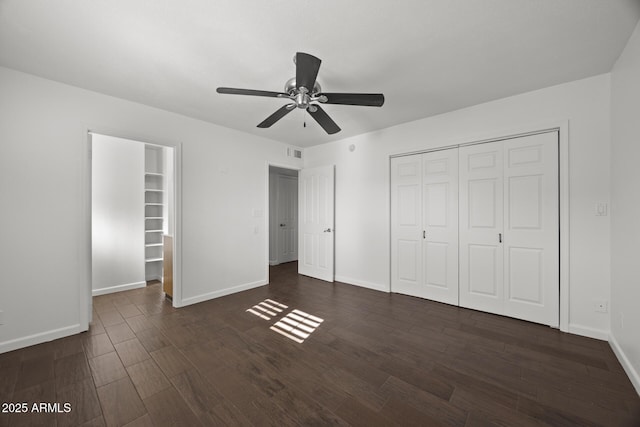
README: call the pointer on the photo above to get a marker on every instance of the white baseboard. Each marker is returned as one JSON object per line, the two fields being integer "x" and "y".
{"x": 157, "y": 277}
{"x": 586, "y": 331}
{"x": 273, "y": 262}
{"x": 633, "y": 375}
{"x": 362, "y": 283}
{"x": 118, "y": 288}
{"x": 39, "y": 338}
{"x": 221, "y": 293}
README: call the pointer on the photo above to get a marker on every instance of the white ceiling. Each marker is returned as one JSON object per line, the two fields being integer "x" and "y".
{"x": 426, "y": 56}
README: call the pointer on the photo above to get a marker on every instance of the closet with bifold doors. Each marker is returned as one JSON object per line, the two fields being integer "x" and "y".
{"x": 424, "y": 228}
{"x": 478, "y": 226}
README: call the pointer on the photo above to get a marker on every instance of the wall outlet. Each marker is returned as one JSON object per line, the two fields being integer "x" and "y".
{"x": 601, "y": 306}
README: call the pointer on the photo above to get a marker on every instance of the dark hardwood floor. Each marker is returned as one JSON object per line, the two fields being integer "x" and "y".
{"x": 375, "y": 359}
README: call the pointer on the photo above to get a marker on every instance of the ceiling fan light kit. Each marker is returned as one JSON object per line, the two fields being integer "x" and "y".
{"x": 297, "y": 91}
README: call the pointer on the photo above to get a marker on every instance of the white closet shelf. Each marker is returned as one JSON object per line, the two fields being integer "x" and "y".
{"x": 154, "y": 190}
{"x": 150, "y": 245}
{"x": 153, "y": 217}
{"x": 153, "y": 259}
{"x": 153, "y": 174}
{"x": 153, "y": 231}
{"x": 153, "y": 204}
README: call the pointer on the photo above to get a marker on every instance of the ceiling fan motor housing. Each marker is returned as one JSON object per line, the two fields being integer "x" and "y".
{"x": 291, "y": 88}
{"x": 302, "y": 100}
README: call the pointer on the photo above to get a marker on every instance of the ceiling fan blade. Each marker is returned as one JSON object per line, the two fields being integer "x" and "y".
{"x": 307, "y": 67}
{"x": 323, "y": 119}
{"x": 266, "y": 123}
{"x": 366, "y": 99}
{"x": 234, "y": 91}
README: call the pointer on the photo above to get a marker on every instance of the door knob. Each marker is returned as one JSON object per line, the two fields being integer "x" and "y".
{"x": 328, "y": 230}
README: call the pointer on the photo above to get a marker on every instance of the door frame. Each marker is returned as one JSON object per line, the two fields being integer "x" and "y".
{"x": 85, "y": 292}
{"x": 562, "y": 127}
{"x": 267, "y": 219}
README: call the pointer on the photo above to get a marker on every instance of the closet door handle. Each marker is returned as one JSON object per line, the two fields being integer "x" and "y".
{"x": 424, "y": 234}
{"x": 499, "y": 237}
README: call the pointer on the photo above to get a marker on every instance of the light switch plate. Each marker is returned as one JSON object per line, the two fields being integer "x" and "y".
{"x": 601, "y": 209}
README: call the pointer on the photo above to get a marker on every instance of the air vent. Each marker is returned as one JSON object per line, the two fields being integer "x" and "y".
{"x": 292, "y": 152}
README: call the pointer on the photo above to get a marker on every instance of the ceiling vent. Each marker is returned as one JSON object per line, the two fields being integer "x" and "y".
{"x": 292, "y": 152}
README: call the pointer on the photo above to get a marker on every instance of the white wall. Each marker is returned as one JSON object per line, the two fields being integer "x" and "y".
{"x": 44, "y": 188}
{"x": 362, "y": 184}
{"x": 117, "y": 203}
{"x": 625, "y": 208}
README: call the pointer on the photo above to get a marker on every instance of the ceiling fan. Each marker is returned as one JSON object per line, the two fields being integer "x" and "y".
{"x": 305, "y": 92}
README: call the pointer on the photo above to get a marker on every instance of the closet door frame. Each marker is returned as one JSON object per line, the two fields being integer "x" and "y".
{"x": 562, "y": 127}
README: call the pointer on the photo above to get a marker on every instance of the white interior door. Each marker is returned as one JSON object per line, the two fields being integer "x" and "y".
{"x": 440, "y": 226}
{"x": 406, "y": 225}
{"x": 531, "y": 244}
{"x": 481, "y": 227}
{"x": 287, "y": 217}
{"x": 316, "y": 225}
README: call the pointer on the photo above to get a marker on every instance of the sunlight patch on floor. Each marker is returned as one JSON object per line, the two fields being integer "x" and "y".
{"x": 267, "y": 309}
{"x": 297, "y": 325}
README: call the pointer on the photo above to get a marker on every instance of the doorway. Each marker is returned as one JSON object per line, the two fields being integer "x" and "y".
{"x": 283, "y": 215}
{"x": 133, "y": 198}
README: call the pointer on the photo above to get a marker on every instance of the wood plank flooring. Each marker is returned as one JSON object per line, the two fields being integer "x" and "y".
{"x": 375, "y": 359}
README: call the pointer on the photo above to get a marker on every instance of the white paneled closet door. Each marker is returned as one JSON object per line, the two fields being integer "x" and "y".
{"x": 424, "y": 228}
{"x": 509, "y": 229}
{"x": 481, "y": 227}
{"x": 440, "y": 226}
{"x": 406, "y": 224}
{"x": 531, "y": 216}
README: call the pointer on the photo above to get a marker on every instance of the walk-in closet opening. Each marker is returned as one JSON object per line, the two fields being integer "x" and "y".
{"x": 133, "y": 199}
